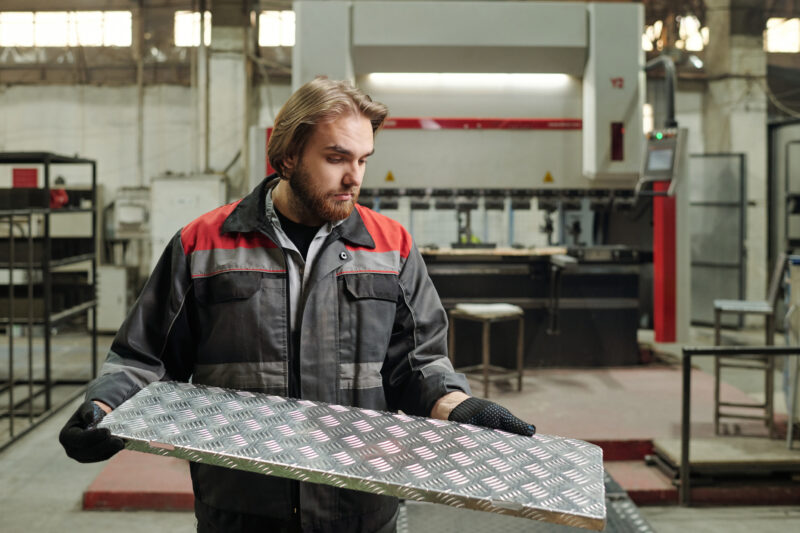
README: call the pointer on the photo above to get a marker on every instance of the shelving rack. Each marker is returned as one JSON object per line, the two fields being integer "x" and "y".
{"x": 38, "y": 257}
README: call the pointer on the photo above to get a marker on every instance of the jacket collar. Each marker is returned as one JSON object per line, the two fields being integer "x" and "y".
{"x": 251, "y": 215}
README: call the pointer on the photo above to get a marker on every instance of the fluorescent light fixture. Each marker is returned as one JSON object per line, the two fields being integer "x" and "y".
{"x": 467, "y": 81}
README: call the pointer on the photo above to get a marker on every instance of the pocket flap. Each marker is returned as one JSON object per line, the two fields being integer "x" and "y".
{"x": 228, "y": 286}
{"x": 378, "y": 286}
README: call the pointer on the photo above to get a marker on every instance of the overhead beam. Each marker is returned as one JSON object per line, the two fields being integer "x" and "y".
{"x": 230, "y": 12}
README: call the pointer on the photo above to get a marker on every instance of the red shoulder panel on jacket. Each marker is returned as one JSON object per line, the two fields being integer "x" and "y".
{"x": 389, "y": 235}
{"x": 204, "y": 233}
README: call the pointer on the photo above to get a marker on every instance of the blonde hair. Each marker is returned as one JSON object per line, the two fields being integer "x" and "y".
{"x": 320, "y": 100}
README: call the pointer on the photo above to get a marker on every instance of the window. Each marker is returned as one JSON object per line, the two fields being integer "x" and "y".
{"x": 16, "y": 29}
{"x": 782, "y": 35}
{"x": 692, "y": 37}
{"x": 66, "y": 28}
{"x": 652, "y": 36}
{"x": 276, "y": 28}
{"x": 187, "y": 28}
{"x": 648, "y": 122}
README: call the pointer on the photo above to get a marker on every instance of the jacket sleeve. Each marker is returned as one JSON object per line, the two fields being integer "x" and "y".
{"x": 155, "y": 341}
{"x": 417, "y": 371}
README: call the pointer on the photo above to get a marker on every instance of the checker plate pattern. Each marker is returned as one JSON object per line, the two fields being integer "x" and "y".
{"x": 543, "y": 477}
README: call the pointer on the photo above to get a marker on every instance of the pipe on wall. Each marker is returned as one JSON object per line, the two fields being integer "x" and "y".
{"x": 669, "y": 77}
{"x": 205, "y": 52}
{"x": 139, "y": 54}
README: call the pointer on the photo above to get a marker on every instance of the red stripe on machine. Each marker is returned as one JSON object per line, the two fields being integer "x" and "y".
{"x": 664, "y": 267}
{"x": 412, "y": 123}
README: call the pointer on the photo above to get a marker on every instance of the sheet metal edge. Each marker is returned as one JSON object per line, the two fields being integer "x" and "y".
{"x": 587, "y": 521}
{"x": 384, "y": 488}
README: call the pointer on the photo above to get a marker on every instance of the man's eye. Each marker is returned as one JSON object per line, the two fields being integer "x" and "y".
{"x": 334, "y": 160}
{"x": 362, "y": 162}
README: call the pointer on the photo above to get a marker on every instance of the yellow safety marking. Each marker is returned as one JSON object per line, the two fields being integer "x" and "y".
{"x": 548, "y": 178}
{"x": 389, "y": 176}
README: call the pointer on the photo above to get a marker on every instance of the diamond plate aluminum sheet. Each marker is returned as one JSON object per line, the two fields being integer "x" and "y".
{"x": 547, "y": 478}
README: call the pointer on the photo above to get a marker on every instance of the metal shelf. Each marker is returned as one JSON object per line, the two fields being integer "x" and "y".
{"x": 71, "y": 260}
{"x": 72, "y": 311}
{"x": 44, "y": 211}
{"x": 57, "y": 317}
{"x": 64, "y": 210}
{"x": 24, "y": 212}
{"x": 55, "y": 263}
{"x": 43, "y": 246}
{"x": 46, "y": 158}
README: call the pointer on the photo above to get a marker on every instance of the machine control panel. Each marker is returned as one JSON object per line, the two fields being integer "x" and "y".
{"x": 661, "y": 161}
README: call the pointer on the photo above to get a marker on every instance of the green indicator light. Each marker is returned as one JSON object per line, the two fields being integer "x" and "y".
{"x": 659, "y": 135}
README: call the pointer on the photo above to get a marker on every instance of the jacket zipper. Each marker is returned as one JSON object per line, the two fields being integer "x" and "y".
{"x": 292, "y": 389}
{"x": 294, "y": 382}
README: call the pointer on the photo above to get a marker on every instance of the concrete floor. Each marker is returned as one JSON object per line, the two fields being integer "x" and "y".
{"x": 41, "y": 489}
{"x": 719, "y": 519}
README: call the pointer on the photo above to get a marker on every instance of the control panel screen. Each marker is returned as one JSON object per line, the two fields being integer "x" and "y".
{"x": 659, "y": 160}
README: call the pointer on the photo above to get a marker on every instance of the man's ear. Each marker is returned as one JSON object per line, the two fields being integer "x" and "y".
{"x": 289, "y": 164}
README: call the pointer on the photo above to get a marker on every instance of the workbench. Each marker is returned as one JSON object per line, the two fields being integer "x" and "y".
{"x": 597, "y": 311}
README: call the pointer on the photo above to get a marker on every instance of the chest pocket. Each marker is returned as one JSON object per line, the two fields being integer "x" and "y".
{"x": 368, "y": 303}
{"x": 241, "y": 319}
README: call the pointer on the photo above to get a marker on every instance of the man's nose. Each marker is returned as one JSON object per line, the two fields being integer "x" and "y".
{"x": 354, "y": 174}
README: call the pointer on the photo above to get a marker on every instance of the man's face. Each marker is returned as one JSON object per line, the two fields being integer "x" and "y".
{"x": 325, "y": 181}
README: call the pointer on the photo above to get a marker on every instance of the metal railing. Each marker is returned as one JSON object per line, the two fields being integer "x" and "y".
{"x": 684, "y": 480}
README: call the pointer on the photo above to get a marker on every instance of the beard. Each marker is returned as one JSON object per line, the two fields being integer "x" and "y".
{"x": 319, "y": 203}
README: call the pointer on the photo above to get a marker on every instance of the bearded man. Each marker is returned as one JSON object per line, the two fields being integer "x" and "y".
{"x": 297, "y": 291}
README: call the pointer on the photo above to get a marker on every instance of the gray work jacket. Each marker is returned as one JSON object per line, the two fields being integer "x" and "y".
{"x": 216, "y": 310}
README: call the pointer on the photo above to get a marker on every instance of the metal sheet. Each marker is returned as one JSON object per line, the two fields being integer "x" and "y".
{"x": 543, "y": 477}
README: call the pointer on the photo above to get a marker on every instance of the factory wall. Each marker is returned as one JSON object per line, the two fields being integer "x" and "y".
{"x": 101, "y": 123}
{"x": 689, "y": 115}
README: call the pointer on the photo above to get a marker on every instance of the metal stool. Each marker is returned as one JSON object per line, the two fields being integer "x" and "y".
{"x": 762, "y": 364}
{"x": 487, "y": 314}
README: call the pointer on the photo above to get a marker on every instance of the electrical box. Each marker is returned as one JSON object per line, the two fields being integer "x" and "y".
{"x": 177, "y": 200}
{"x": 113, "y": 299}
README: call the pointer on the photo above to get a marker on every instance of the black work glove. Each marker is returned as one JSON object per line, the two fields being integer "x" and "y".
{"x": 479, "y": 412}
{"x": 83, "y": 441}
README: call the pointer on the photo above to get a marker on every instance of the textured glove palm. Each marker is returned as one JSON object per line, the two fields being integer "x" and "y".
{"x": 479, "y": 412}
{"x": 83, "y": 441}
